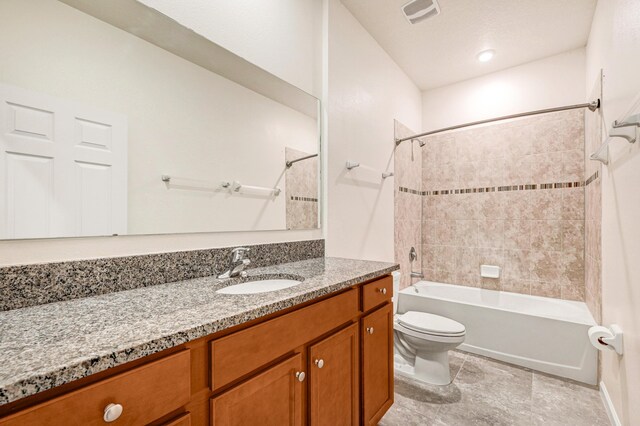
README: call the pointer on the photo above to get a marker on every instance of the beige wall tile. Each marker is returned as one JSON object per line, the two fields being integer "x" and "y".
{"x": 573, "y": 235}
{"x": 491, "y": 234}
{"x": 517, "y": 234}
{"x": 518, "y": 170}
{"x": 516, "y": 286}
{"x": 573, "y": 203}
{"x": 546, "y": 289}
{"x": 573, "y": 292}
{"x": 546, "y": 266}
{"x": 517, "y": 205}
{"x": 545, "y": 204}
{"x": 466, "y": 233}
{"x": 546, "y": 235}
{"x": 492, "y": 205}
{"x": 573, "y": 165}
{"x": 491, "y": 171}
{"x": 467, "y": 175}
{"x": 547, "y": 168}
{"x": 517, "y": 265}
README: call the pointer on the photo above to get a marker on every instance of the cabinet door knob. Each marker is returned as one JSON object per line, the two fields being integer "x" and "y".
{"x": 112, "y": 412}
{"x": 370, "y": 330}
{"x": 320, "y": 363}
{"x": 382, "y": 290}
{"x": 300, "y": 376}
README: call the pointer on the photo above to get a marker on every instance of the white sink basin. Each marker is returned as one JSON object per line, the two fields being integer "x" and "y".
{"x": 259, "y": 286}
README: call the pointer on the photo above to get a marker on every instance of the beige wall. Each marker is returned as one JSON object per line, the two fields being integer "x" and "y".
{"x": 614, "y": 46}
{"x": 366, "y": 92}
{"x": 545, "y": 83}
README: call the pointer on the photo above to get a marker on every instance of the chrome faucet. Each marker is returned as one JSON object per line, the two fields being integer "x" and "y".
{"x": 237, "y": 263}
{"x": 413, "y": 256}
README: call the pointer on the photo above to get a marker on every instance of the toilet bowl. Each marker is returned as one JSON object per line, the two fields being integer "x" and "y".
{"x": 423, "y": 341}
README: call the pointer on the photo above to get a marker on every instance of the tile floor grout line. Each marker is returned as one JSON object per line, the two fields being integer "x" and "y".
{"x": 531, "y": 399}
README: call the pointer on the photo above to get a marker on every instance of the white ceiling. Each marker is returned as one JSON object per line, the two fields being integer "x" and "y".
{"x": 442, "y": 50}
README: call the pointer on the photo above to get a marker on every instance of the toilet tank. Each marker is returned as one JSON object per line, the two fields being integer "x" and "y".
{"x": 396, "y": 289}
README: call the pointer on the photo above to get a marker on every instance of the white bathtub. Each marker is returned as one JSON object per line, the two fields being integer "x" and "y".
{"x": 544, "y": 334}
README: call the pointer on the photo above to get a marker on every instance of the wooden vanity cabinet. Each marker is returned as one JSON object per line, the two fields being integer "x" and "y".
{"x": 327, "y": 362}
{"x": 377, "y": 364}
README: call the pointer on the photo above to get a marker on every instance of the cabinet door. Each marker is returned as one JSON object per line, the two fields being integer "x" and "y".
{"x": 377, "y": 364}
{"x": 272, "y": 398}
{"x": 334, "y": 382}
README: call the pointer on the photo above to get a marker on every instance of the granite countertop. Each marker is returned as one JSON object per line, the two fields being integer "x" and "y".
{"x": 49, "y": 345}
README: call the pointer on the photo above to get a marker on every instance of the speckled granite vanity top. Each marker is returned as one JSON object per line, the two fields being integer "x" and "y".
{"x": 48, "y": 345}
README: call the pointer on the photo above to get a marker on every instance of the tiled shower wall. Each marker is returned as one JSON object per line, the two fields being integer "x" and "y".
{"x": 301, "y": 182}
{"x": 509, "y": 194}
{"x": 408, "y": 203}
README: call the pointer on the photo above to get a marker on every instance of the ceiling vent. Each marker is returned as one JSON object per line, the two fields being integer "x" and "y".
{"x": 418, "y": 10}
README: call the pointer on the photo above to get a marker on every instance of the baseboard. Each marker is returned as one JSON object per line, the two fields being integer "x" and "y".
{"x": 608, "y": 405}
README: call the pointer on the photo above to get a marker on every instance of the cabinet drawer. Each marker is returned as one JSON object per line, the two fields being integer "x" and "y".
{"x": 238, "y": 354}
{"x": 146, "y": 393}
{"x": 376, "y": 293}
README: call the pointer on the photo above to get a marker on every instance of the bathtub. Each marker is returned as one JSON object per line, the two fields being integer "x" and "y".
{"x": 544, "y": 334}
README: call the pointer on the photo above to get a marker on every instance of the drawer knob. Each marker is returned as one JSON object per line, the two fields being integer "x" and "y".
{"x": 320, "y": 363}
{"x": 112, "y": 412}
{"x": 382, "y": 290}
{"x": 370, "y": 330}
{"x": 300, "y": 376}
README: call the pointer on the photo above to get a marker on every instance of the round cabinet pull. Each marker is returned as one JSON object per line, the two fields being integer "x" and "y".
{"x": 370, "y": 330}
{"x": 382, "y": 290}
{"x": 320, "y": 363}
{"x": 112, "y": 412}
{"x": 300, "y": 376}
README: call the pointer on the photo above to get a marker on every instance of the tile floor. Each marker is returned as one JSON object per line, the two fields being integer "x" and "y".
{"x": 489, "y": 392}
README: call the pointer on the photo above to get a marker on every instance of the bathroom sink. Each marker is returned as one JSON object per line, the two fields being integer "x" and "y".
{"x": 259, "y": 286}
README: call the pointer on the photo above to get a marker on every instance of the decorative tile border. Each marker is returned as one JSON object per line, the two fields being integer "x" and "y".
{"x": 313, "y": 200}
{"x": 503, "y": 188}
{"x": 410, "y": 191}
{"x": 30, "y": 285}
{"x": 592, "y": 178}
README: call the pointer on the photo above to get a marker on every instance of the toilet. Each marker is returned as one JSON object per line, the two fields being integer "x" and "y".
{"x": 422, "y": 342}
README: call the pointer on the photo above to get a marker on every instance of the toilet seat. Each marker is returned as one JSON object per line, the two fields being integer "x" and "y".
{"x": 434, "y": 325}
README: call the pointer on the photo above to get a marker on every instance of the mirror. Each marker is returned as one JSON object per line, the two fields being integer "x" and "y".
{"x": 116, "y": 119}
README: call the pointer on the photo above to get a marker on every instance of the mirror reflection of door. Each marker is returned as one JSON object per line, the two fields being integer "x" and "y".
{"x": 65, "y": 167}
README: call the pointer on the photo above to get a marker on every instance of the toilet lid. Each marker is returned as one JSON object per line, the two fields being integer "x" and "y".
{"x": 431, "y": 324}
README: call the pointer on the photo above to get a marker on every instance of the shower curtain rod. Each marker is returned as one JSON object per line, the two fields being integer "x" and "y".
{"x": 290, "y": 163}
{"x": 592, "y": 107}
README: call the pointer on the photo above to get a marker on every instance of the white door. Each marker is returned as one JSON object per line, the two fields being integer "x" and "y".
{"x": 63, "y": 167}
